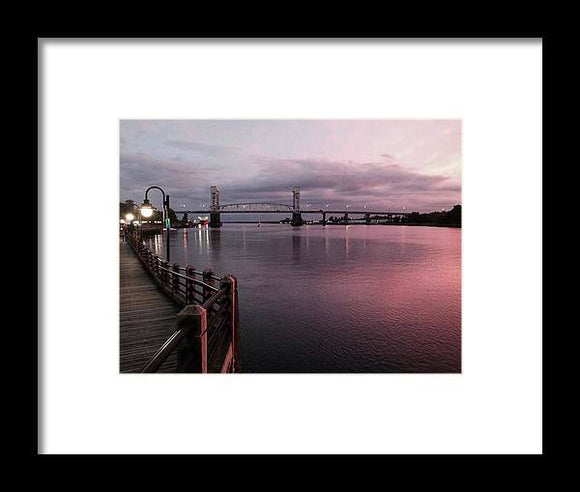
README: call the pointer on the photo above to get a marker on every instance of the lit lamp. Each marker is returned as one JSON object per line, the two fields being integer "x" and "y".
{"x": 147, "y": 211}
{"x": 129, "y": 217}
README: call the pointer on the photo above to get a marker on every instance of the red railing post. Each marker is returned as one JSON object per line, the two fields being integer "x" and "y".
{"x": 234, "y": 323}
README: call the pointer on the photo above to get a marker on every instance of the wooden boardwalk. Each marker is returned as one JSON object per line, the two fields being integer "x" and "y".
{"x": 147, "y": 315}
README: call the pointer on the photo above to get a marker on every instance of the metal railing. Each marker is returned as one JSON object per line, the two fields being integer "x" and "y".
{"x": 206, "y": 338}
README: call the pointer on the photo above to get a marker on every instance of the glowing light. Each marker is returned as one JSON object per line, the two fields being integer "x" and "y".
{"x": 129, "y": 217}
{"x": 122, "y": 221}
{"x": 146, "y": 209}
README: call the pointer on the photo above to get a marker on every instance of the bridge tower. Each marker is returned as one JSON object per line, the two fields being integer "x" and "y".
{"x": 214, "y": 217}
{"x": 296, "y": 215}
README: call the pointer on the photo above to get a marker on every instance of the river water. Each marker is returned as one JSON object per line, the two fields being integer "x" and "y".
{"x": 336, "y": 299}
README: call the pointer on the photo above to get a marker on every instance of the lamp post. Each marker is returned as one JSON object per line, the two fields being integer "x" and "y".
{"x": 147, "y": 211}
{"x": 128, "y": 223}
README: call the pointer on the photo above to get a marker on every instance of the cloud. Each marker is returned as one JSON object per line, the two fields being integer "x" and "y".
{"x": 367, "y": 178}
{"x": 201, "y": 147}
{"x": 178, "y": 177}
{"x": 365, "y": 182}
{"x": 383, "y": 164}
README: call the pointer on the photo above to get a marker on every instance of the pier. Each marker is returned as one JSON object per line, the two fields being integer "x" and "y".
{"x": 147, "y": 315}
{"x": 174, "y": 318}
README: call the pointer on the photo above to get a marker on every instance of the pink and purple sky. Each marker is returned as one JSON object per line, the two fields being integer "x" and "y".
{"x": 384, "y": 164}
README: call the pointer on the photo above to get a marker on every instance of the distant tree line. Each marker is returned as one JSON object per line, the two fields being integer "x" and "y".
{"x": 450, "y": 217}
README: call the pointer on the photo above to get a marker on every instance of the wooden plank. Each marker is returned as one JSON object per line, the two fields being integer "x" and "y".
{"x": 146, "y": 315}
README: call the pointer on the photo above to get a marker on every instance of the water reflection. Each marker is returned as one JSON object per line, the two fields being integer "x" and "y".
{"x": 158, "y": 238}
{"x": 215, "y": 241}
{"x": 396, "y": 306}
{"x": 184, "y": 239}
{"x": 296, "y": 247}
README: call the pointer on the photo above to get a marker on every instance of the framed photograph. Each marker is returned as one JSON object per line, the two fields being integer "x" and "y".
{"x": 305, "y": 241}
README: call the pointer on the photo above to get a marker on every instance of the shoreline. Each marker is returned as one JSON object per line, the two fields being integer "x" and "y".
{"x": 421, "y": 224}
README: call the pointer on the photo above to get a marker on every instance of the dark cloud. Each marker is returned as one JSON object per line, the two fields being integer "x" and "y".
{"x": 371, "y": 178}
{"x": 182, "y": 179}
{"x": 366, "y": 182}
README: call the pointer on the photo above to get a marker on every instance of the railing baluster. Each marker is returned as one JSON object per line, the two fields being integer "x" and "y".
{"x": 175, "y": 281}
{"x": 189, "y": 285}
{"x": 208, "y": 279}
{"x": 165, "y": 271}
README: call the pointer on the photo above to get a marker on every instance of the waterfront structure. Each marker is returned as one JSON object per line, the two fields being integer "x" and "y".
{"x": 174, "y": 318}
{"x": 216, "y": 209}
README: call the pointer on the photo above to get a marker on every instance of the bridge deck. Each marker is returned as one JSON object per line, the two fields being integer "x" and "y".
{"x": 147, "y": 316}
{"x": 305, "y": 211}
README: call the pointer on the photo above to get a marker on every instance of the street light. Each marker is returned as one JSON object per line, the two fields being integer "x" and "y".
{"x": 147, "y": 209}
{"x": 129, "y": 217}
{"x": 147, "y": 212}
